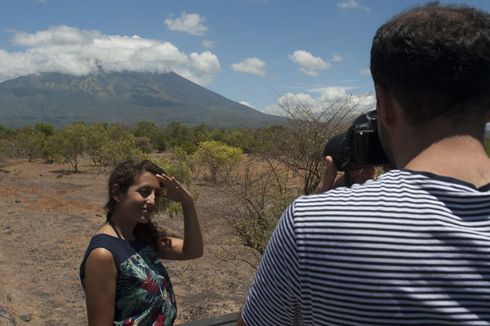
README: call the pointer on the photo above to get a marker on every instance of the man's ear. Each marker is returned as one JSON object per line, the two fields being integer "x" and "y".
{"x": 115, "y": 192}
{"x": 385, "y": 106}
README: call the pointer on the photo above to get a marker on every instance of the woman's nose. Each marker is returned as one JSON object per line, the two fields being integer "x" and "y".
{"x": 151, "y": 198}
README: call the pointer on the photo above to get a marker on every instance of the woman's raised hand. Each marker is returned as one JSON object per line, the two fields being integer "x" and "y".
{"x": 173, "y": 190}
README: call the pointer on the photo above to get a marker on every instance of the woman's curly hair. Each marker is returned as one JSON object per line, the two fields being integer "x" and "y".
{"x": 124, "y": 175}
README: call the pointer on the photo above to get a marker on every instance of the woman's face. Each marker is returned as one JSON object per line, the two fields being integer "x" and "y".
{"x": 140, "y": 201}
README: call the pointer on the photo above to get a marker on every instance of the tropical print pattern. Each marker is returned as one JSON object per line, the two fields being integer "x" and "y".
{"x": 144, "y": 294}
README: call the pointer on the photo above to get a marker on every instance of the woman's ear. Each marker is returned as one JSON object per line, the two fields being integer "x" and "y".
{"x": 115, "y": 192}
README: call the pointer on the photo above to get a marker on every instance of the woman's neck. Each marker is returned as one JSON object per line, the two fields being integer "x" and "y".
{"x": 123, "y": 227}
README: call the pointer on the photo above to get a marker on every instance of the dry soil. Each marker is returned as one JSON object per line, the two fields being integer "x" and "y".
{"x": 47, "y": 216}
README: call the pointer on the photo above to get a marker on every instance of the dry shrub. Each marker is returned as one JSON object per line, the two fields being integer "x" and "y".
{"x": 261, "y": 192}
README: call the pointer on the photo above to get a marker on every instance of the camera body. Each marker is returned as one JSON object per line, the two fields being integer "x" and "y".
{"x": 359, "y": 146}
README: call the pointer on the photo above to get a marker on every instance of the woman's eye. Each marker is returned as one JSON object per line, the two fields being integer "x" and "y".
{"x": 144, "y": 192}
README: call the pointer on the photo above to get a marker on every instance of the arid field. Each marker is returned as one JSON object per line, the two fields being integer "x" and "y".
{"x": 47, "y": 216}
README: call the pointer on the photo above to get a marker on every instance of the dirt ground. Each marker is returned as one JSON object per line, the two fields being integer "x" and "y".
{"x": 47, "y": 217}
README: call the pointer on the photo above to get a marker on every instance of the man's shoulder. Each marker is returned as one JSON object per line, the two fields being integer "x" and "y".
{"x": 386, "y": 182}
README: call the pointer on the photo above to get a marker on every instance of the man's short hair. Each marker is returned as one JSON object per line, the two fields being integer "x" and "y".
{"x": 435, "y": 60}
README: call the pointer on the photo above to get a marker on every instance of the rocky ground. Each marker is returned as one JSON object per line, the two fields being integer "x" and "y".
{"x": 47, "y": 217}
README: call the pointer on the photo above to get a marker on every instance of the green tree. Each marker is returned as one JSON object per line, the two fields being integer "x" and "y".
{"x": 269, "y": 141}
{"x": 109, "y": 145}
{"x": 6, "y": 148}
{"x": 97, "y": 140}
{"x": 72, "y": 143}
{"x": 45, "y": 128}
{"x": 217, "y": 158}
{"x": 50, "y": 150}
{"x": 178, "y": 135}
{"x": 201, "y": 133}
{"x": 160, "y": 142}
{"x": 29, "y": 142}
{"x": 150, "y": 130}
{"x": 6, "y": 133}
{"x": 144, "y": 144}
{"x": 122, "y": 145}
{"x": 241, "y": 138}
{"x": 7, "y": 142}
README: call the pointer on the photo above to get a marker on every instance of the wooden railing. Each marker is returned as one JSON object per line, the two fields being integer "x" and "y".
{"x": 225, "y": 320}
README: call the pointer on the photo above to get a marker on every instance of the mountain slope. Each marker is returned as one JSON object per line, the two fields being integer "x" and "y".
{"x": 126, "y": 97}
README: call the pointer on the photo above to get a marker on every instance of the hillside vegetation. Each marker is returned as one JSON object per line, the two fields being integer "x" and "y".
{"x": 126, "y": 97}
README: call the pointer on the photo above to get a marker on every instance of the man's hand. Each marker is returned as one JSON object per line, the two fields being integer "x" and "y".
{"x": 331, "y": 179}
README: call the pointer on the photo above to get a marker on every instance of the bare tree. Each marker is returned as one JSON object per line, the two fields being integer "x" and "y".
{"x": 266, "y": 181}
{"x": 260, "y": 192}
{"x": 309, "y": 129}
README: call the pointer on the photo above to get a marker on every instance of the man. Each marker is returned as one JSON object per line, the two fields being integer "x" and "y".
{"x": 413, "y": 246}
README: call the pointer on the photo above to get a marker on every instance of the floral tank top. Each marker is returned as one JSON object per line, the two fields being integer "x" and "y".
{"x": 144, "y": 294}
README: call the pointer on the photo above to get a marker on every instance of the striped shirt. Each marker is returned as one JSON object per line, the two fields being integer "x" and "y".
{"x": 406, "y": 249}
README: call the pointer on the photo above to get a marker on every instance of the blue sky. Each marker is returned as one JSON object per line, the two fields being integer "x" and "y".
{"x": 258, "y": 52}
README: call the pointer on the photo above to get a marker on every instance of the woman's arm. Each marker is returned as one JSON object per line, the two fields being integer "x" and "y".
{"x": 100, "y": 287}
{"x": 191, "y": 246}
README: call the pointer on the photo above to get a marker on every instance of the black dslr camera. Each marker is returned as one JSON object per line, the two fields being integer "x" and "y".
{"x": 358, "y": 147}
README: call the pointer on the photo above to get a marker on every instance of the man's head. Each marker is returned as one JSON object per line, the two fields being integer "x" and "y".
{"x": 435, "y": 60}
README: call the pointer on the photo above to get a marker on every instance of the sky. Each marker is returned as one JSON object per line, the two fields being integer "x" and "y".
{"x": 261, "y": 53}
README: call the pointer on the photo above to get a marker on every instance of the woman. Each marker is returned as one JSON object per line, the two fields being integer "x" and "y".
{"x": 124, "y": 281}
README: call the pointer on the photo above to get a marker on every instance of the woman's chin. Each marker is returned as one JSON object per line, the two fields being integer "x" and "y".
{"x": 145, "y": 219}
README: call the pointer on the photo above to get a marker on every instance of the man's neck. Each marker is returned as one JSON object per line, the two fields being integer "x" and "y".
{"x": 460, "y": 156}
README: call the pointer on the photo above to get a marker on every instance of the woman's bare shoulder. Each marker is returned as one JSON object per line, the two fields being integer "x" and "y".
{"x": 106, "y": 229}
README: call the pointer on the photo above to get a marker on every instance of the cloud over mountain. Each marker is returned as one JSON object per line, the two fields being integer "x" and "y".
{"x": 79, "y": 52}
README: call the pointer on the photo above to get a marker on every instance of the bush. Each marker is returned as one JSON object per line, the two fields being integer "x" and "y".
{"x": 178, "y": 167}
{"x": 6, "y": 148}
{"x": 217, "y": 158}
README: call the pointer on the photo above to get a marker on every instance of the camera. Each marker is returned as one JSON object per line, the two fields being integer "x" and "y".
{"x": 359, "y": 146}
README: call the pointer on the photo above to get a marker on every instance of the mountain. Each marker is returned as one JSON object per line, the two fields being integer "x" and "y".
{"x": 126, "y": 97}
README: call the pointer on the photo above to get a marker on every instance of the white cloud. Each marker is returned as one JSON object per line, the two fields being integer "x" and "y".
{"x": 205, "y": 64}
{"x": 309, "y": 64}
{"x": 253, "y": 66}
{"x": 57, "y": 35}
{"x": 365, "y": 72}
{"x": 188, "y": 23}
{"x": 348, "y": 4}
{"x": 247, "y": 104}
{"x": 336, "y": 58}
{"x": 351, "y": 4}
{"x": 324, "y": 100}
{"x": 208, "y": 44}
{"x": 79, "y": 52}
{"x": 297, "y": 99}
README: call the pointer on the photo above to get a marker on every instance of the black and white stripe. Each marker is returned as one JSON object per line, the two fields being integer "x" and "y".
{"x": 406, "y": 249}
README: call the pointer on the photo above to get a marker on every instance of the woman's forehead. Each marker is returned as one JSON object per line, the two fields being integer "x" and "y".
{"x": 146, "y": 178}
